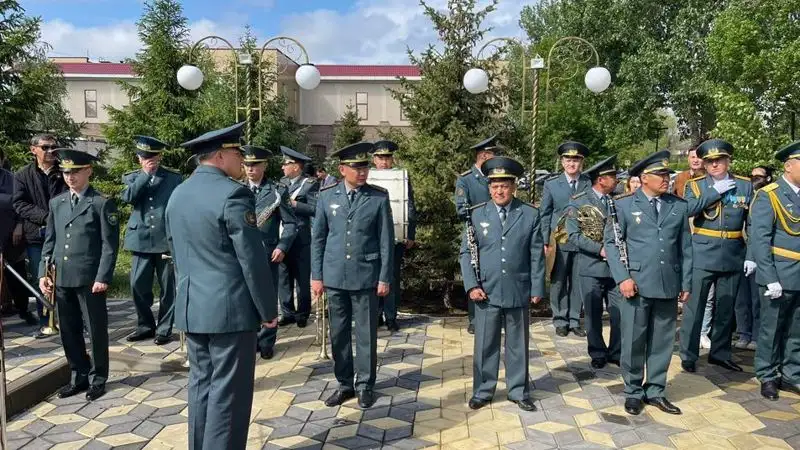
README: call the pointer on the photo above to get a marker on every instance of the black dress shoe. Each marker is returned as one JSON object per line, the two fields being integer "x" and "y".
{"x": 598, "y": 363}
{"x": 366, "y": 399}
{"x": 663, "y": 404}
{"x": 789, "y": 387}
{"x": 339, "y": 397}
{"x": 140, "y": 335}
{"x": 471, "y": 329}
{"x": 525, "y": 404}
{"x": 72, "y": 390}
{"x": 580, "y": 332}
{"x": 392, "y": 325}
{"x": 477, "y": 403}
{"x": 562, "y": 331}
{"x": 267, "y": 353}
{"x": 161, "y": 340}
{"x": 633, "y": 406}
{"x": 769, "y": 390}
{"x": 301, "y": 323}
{"x": 95, "y": 392}
{"x": 688, "y": 366}
{"x": 380, "y": 320}
{"x": 283, "y": 321}
{"x": 730, "y": 365}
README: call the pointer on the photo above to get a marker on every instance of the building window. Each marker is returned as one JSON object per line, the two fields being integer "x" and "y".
{"x": 403, "y": 113}
{"x": 90, "y": 103}
{"x": 361, "y": 105}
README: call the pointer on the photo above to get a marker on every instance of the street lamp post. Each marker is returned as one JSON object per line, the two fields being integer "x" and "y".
{"x": 476, "y": 81}
{"x": 190, "y": 77}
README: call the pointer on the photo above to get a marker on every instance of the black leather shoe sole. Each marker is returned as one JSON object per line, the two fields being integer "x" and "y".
{"x": 730, "y": 365}
{"x": 267, "y": 353}
{"x": 161, "y": 340}
{"x": 136, "y": 337}
{"x": 302, "y": 323}
{"x": 598, "y": 363}
{"x": 664, "y": 405}
{"x": 471, "y": 329}
{"x": 789, "y": 387}
{"x": 525, "y": 405}
{"x": 95, "y": 392}
{"x": 562, "y": 331}
{"x": 338, "y": 398}
{"x": 580, "y": 332}
{"x": 72, "y": 390}
{"x": 633, "y": 406}
{"x": 366, "y": 399}
{"x": 688, "y": 366}
{"x": 769, "y": 390}
{"x": 476, "y": 403}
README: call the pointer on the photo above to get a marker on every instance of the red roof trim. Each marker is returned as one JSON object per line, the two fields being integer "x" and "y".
{"x": 95, "y": 68}
{"x": 326, "y": 70}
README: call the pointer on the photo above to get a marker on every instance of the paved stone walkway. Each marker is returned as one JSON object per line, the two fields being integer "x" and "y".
{"x": 424, "y": 382}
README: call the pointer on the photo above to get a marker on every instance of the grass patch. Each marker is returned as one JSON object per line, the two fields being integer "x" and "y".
{"x": 121, "y": 283}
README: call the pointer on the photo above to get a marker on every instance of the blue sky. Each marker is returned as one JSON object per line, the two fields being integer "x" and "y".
{"x": 334, "y": 31}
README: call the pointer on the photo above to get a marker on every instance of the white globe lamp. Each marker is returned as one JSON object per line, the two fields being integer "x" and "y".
{"x": 476, "y": 81}
{"x": 597, "y": 79}
{"x": 307, "y": 76}
{"x": 190, "y": 77}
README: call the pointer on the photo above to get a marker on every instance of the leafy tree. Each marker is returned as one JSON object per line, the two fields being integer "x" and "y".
{"x": 30, "y": 86}
{"x": 348, "y": 131}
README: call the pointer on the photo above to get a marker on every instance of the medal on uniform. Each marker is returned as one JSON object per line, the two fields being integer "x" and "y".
{"x": 636, "y": 215}
{"x": 485, "y": 226}
{"x": 333, "y": 208}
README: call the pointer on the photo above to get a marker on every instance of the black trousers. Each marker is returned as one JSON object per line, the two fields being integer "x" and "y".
{"x": 17, "y": 291}
{"x": 78, "y": 306}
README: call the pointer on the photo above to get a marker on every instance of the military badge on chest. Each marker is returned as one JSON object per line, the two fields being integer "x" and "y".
{"x": 637, "y": 216}
{"x": 485, "y": 226}
{"x": 334, "y": 207}
{"x": 250, "y": 218}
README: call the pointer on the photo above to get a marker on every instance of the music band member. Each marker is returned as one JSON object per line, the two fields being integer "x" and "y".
{"x": 383, "y": 159}
{"x": 511, "y": 268}
{"x": 593, "y": 277}
{"x": 653, "y": 228}
{"x": 472, "y": 188}
{"x": 719, "y": 254}
{"x": 275, "y": 219}
{"x": 352, "y": 256}
{"x": 775, "y": 246}
{"x": 148, "y": 191}
{"x": 81, "y": 240}
{"x": 295, "y": 269}
{"x": 564, "y": 297}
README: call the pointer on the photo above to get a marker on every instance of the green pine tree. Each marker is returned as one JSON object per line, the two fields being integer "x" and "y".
{"x": 348, "y": 131}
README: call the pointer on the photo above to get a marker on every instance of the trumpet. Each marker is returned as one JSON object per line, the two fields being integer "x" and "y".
{"x": 322, "y": 326}
{"x": 50, "y": 273}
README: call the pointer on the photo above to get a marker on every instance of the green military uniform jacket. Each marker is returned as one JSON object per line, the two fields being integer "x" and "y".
{"x": 352, "y": 246}
{"x": 146, "y": 232}
{"x": 556, "y": 196}
{"x": 718, "y": 232}
{"x": 589, "y": 261}
{"x": 82, "y": 241}
{"x": 304, "y": 191}
{"x": 282, "y": 214}
{"x": 224, "y": 283}
{"x": 659, "y": 251}
{"x": 775, "y": 235}
{"x": 472, "y": 188}
{"x": 511, "y": 257}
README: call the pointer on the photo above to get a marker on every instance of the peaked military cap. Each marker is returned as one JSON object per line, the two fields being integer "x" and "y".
{"x": 791, "y": 151}
{"x": 502, "y": 168}
{"x": 573, "y": 149}
{"x": 254, "y": 154}
{"x": 215, "y": 140}
{"x": 71, "y": 159}
{"x": 657, "y": 163}
{"x": 714, "y": 148}
{"x": 487, "y": 145}
{"x": 607, "y": 166}
{"x": 385, "y": 148}
{"x": 355, "y": 155}
{"x": 292, "y": 156}
{"x": 148, "y": 147}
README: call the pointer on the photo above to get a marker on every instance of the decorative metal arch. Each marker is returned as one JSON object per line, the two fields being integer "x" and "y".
{"x": 581, "y": 59}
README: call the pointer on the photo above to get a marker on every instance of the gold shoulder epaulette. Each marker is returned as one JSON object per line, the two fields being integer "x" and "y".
{"x": 477, "y": 206}
{"x": 463, "y": 174}
{"x": 696, "y": 178}
{"x": 742, "y": 178}
{"x": 578, "y": 195}
{"x": 627, "y": 194}
{"x": 324, "y": 188}
{"x": 770, "y": 187}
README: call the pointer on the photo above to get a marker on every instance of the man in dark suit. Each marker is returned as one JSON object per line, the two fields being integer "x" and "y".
{"x": 351, "y": 253}
{"x": 225, "y": 292}
{"x": 82, "y": 240}
{"x": 148, "y": 190}
{"x": 295, "y": 270}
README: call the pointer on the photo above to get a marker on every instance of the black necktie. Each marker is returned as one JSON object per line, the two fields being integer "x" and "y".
{"x": 574, "y": 186}
{"x": 74, "y": 200}
{"x": 604, "y": 201}
{"x": 654, "y": 205}
{"x": 254, "y": 188}
{"x": 503, "y": 215}
{"x": 352, "y": 196}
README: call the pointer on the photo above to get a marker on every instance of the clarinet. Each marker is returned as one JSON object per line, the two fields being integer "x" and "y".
{"x": 472, "y": 244}
{"x": 618, "y": 241}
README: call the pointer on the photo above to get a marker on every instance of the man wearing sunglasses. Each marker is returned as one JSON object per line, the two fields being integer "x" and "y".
{"x": 35, "y": 185}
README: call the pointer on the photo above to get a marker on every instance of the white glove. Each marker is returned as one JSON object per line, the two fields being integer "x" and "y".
{"x": 749, "y": 268}
{"x": 723, "y": 186}
{"x": 774, "y": 290}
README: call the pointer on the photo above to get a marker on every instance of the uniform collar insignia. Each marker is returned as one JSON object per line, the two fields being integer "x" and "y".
{"x": 484, "y": 224}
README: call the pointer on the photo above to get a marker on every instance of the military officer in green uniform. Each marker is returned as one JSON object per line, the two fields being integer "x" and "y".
{"x": 655, "y": 273}
{"x": 775, "y": 243}
{"x": 383, "y": 159}
{"x": 225, "y": 292}
{"x": 147, "y": 190}
{"x": 593, "y": 278}
{"x": 352, "y": 256}
{"x": 275, "y": 219}
{"x": 511, "y": 275}
{"x": 472, "y": 188}
{"x": 295, "y": 269}
{"x": 81, "y": 240}
{"x": 564, "y": 297}
{"x": 719, "y": 255}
